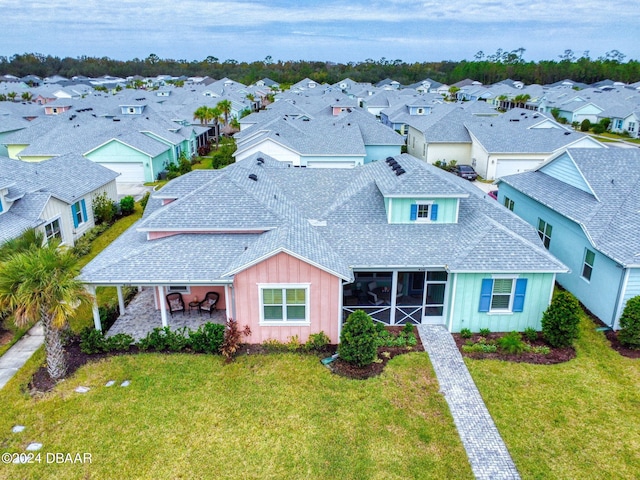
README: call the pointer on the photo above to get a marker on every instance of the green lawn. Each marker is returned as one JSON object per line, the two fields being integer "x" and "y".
{"x": 264, "y": 416}
{"x": 580, "y": 419}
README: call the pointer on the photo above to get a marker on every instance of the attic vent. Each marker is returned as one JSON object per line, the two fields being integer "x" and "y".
{"x": 253, "y": 177}
{"x": 400, "y": 171}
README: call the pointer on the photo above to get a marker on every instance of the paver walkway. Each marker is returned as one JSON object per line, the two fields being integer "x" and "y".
{"x": 14, "y": 358}
{"x": 487, "y": 453}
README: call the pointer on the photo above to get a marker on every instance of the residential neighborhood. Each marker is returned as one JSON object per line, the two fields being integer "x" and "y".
{"x": 279, "y": 219}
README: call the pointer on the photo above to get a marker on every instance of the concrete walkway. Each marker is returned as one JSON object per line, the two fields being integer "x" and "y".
{"x": 19, "y": 353}
{"x": 487, "y": 453}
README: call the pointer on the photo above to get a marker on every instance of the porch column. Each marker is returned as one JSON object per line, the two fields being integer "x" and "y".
{"x": 94, "y": 308}
{"x": 120, "y": 299}
{"x": 163, "y": 306}
{"x": 227, "y": 301}
{"x": 392, "y": 299}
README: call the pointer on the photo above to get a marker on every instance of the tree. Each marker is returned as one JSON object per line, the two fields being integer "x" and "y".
{"x": 358, "y": 340}
{"x": 452, "y": 92}
{"x": 629, "y": 334}
{"x": 225, "y": 109}
{"x": 39, "y": 283}
{"x": 585, "y": 125}
{"x": 561, "y": 320}
{"x": 26, "y": 96}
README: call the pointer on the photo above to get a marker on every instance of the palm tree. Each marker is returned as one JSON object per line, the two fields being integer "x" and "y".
{"x": 215, "y": 115}
{"x": 40, "y": 283}
{"x": 225, "y": 108}
{"x": 201, "y": 114}
{"x": 29, "y": 239}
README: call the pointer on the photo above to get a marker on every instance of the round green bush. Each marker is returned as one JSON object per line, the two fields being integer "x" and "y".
{"x": 560, "y": 322}
{"x": 629, "y": 334}
{"x": 358, "y": 340}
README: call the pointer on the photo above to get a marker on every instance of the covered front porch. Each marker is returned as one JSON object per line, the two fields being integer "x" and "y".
{"x": 141, "y": 316}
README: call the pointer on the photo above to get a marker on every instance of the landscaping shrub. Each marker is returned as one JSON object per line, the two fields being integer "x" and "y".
{"x": 531, "y": 334}
{"x": 358, "y": 340}
{"x": 597, "y": 129}
{"x": 127, "y": 205}
{"x": 274, "y": 346}
{"x": 232, "y": 339}
{"x": 104, "y": 209}
{"x": 144, "y": 200}
{"x": 120, "y": 342}
{"x": 163, "y": 339}
{"x": 560, "y": 321}
{"x": 207, "y": 339}
{"x": 484, "y": 332}
{"x": 629, "y": 334}
{"x": 465, "y": 333}
{"x": 294, "y": 345}
{"x": 317, "y": 342}
{"x": 585, "y": 126}
{"x": 512, "y": 343}
{"x": 94, "y": 341}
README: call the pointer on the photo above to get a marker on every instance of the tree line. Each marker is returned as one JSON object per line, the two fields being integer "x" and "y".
{"x": 487, "y": 69}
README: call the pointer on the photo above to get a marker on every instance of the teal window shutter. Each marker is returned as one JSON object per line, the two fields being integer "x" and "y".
{"x": 414, "y": 212}
{"x": 485, "y": 294}
{"x": 518, "y": 299}
{"x": 74, "y": 214}
{"x": 434, "y": 212}
{"x": 84, "y": 210}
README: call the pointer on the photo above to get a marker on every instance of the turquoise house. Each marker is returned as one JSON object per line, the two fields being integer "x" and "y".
{"x": 584, "y": 204}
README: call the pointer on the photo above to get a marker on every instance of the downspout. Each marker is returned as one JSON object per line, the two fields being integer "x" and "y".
{"x": 624, "y": 279}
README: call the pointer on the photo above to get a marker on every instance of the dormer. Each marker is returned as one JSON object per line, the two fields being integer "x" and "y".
{"x": 132, "y": 109}
{"x": 56, "y": 108}
{"x": 415, "y": 110}
{"x": 417, "y": 195}
{"x": 5, "y": 198}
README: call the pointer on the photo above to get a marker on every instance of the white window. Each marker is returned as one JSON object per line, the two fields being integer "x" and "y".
{"x": 423, "y": 211}
{"x": 284, "y": 304}
{"x": 632, "y": 127}
{"x": 52, "y": 230}
{"x": 501, "y": 295}
{"x": 587, "y": 264}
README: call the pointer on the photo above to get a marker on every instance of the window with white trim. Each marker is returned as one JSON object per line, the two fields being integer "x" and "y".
{"x": 52, "y": 230}
{"x": 587, "y": 264}
{"x": 544, "y": 231}
{"x": 502, "y": 295}
{"x": 284, "y": 304}
{"x": 632, "y": 127}
{"x": 424, "y": 212}
{"x": 79, "y": 213}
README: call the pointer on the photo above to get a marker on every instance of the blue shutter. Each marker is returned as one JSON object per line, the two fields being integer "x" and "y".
{"x": 414, "y": 212}
{"x": 84, "y": 210}
{"x": 485, "y": 295}
{"x": 434, "y": 212}
{"x": 74, "y": 214}
{"x": 518, "y": 299}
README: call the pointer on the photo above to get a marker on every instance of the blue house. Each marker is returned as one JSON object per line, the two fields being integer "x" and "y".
{"x": 585, "y": 204}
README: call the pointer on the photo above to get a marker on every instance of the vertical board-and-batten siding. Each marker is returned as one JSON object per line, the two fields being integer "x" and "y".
{"x": 563, "y": 169}
{"x": 467, "y": 301}
{"x": 282, "y": 268}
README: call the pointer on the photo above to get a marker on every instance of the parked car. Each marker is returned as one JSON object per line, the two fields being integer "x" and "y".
{"x": 465, "y": 171}
{"x": 493, "y": 194}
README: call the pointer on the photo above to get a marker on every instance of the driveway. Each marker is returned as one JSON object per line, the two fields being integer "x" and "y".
{"x": 136, "y": 190}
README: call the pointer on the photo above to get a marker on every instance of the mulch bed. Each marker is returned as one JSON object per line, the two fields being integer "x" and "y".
{"x": 557, "y": 355}
{"x": 613, "y": 339}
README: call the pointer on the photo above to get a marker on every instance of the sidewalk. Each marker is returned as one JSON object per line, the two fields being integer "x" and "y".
{"x": 488, "y": 455}
{"x": 17, "y": 355}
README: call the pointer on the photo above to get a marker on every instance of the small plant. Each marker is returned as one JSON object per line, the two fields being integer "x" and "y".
{"x": 407, "y": 329}
{"x": 317, "y": 342}
{"x": 629, "y": 334}
{"x": 480, "y": 347}
{"x": 465, "y": 333}
{"x": 358, "y": 344}
{"x": 484, "y": 332}
{"x": 232, "y": 339}
{"x": 120, "y": 342}
{"x": 531, "y": 334}
{"x": 91, "y": 341}
{"x": 541, "y": 349}
{"x": 512, "y": 343}
{"x": 293, "y": 345}
{"x": 274, "y": 346}
{"x": 127, "y": 205}
{"x": 560, "y": 321}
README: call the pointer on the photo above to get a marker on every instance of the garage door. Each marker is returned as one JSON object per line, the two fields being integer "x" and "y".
{"x": 129, "y": 172}
{"x": 509, "y": 167}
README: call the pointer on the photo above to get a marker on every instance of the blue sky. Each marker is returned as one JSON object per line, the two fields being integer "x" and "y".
{"x": 339, "y": 31}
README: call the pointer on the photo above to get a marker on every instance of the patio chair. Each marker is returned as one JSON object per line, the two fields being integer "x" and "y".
{"x": 175, "y": 302}
{"x": 374, "y": 300}
{"x": 209, "y": 303}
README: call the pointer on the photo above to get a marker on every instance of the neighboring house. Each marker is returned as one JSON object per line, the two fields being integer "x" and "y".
{"x": 55, "y": 196}
{"x": 585, "y": 205}
{"x": 356, "y": 138}
{"x": 293, "y": 251}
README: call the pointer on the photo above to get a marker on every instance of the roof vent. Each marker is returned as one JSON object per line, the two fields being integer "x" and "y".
{"x": 260, "y": 160}
{"x": 389, "y": 159}
{"x": 393, "y": 163}
{"x": 567, "y": 133}
{"x": 400, "y": 171}
{"x": 253, "y": 177}
{"x": 396, "y": 167}
{"x": 116, "y": 119}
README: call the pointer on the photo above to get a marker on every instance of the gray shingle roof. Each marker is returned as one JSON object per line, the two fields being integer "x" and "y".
{"x": 335, "y": 219}
{"x": 611, "y": 218}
